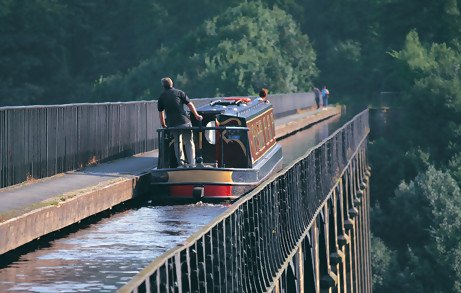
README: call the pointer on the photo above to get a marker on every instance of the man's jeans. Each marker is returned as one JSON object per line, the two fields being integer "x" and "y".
{"x": 185, "y": 137}
{"x": 325, "y": 101}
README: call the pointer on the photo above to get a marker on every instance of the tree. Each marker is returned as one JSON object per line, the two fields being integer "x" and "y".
{"x": 381, "y": 261}
{"x": 235, "y": 53}
{"x": 426, "y": 220}
{"x": 31, "y": 49}
{"x": 436, "y": 90}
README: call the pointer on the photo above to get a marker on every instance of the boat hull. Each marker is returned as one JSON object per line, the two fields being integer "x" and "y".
{"x": 217, "y": 183}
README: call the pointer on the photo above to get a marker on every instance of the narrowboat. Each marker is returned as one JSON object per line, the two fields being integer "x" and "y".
{"x": 236, "y": 149}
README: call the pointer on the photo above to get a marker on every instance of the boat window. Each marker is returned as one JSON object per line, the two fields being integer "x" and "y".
{"x": 266, "y": 129}
{"x": 269, "y": 127}
{"x": 272, "y": 125}
{"x": 258, "y": 136}
{"x": 262, "y": 139}
{"x": 210, "y": 135}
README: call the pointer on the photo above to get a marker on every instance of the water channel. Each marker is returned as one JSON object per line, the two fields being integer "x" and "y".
{"x": 106, "y": 254}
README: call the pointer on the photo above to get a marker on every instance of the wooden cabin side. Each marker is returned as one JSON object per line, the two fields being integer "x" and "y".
{"x": 261, "y": 134}
{"x": 243, "y": 151}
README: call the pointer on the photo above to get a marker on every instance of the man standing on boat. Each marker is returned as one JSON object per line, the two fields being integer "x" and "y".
{"x": 171, "y": 102}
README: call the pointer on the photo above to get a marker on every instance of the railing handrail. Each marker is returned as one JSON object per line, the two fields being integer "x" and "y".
{"x": 204, "y": 128}
{"x": 121, "y": 103}
{"x": 284, "y": 170}
{"x": 72, "y": 105}
{"x": 39, "y": 141}
{"x": 159, "y": 261}
{"x": 87, "y": 104}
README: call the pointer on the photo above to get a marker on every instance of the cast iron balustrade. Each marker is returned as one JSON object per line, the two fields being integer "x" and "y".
{"x": 306, "y": 228}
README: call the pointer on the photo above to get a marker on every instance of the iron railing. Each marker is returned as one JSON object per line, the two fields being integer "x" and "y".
{"x": 245, "y": 248}
{"x": 41, "y": 141}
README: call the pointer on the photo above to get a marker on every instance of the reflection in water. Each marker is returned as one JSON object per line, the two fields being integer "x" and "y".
{"x": 301, "y": 142}
{"x": 107, "y": 254}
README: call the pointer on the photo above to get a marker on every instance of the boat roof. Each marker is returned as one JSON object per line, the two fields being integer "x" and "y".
{"x": 236, "y": 106}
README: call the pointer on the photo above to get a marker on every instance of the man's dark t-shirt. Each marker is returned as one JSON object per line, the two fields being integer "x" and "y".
{"x": 317, "y": 93}
{"x": 173, "y": 101}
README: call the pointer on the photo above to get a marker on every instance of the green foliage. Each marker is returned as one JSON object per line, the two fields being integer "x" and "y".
{"x": 425, "y": 225}
{"x": 421, "y": 222}
{"x": 402, "y": 163}
{"x": 52, "y": 51}
{"x": 345, "y": 41}
{"x": 30, "y": 46}
{"x": 455, "y": 168}
{"x": 235, "y": 53}
{"x": 381, "y": 260}
{"x": 436, "y": 90}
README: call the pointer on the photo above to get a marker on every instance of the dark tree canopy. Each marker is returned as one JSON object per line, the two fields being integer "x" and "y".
{"x": 235, "y": 53}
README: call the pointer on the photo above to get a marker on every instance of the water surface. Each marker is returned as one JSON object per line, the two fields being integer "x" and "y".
{"x": 106, "y": 254}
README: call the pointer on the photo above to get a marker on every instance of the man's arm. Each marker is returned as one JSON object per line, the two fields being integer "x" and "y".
{"x": 194, "y": 111}
{"x": 162, "y": 118}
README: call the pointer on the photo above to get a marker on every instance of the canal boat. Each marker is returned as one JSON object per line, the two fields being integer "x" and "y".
{"x": 236, "y": 149}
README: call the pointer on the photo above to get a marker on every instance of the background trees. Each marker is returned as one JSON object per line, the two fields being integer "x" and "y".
{"x": 418, "y": 222}
{"x": 423, "y": 233}
{"x": 31, "y": 45}
{"x": 234, "y": 53}
{"x": 70, "y": 51}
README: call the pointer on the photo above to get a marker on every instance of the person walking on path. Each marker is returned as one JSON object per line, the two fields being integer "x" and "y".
{"x": 171, "y": 102}
{"x": 325, "y": 96}
{"x": 317, "y": 96}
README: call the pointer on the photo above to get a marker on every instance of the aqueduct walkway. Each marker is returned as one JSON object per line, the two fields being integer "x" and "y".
{"x": 305, "y": 229}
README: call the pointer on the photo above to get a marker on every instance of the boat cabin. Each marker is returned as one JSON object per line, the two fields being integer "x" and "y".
{"x": 234, "y": 133}
{"x": 235, "y": 150}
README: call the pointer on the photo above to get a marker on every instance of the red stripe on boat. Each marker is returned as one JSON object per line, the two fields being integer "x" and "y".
{"x": 210, "y": 190}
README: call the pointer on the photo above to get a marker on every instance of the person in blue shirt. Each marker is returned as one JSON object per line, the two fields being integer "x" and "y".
{"x": 325, "y": 96}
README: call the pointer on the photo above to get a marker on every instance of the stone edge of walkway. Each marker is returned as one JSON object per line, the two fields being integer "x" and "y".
{"x": 63, "y": 211}
{"x": 302, "y": 122}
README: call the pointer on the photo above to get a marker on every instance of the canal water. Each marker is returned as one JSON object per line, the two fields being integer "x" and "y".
{"x": 105, "y": 255}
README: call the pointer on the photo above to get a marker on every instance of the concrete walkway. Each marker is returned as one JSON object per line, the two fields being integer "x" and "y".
{"x": 279, "y": 122}
{"x": 285, "y": 126}
{"x": 79, "y": 194}
{"x": 21, "y": 196}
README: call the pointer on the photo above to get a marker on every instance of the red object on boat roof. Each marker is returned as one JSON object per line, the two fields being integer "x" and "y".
{"x": 245, "y": 100}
